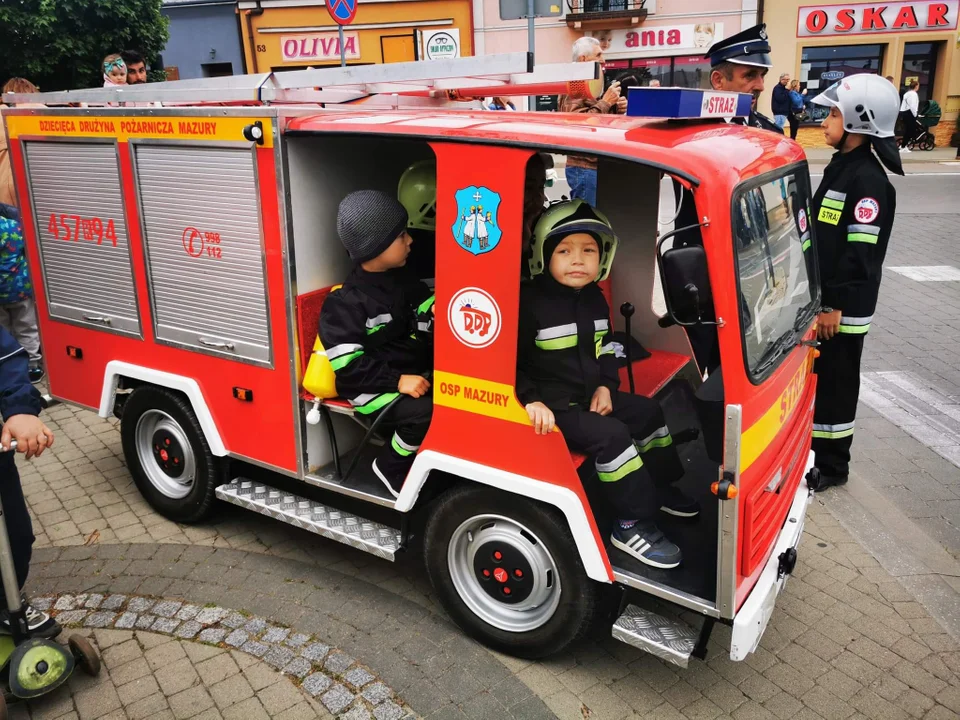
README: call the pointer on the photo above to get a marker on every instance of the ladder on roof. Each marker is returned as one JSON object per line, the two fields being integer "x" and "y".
{"x": 424, "y": 82}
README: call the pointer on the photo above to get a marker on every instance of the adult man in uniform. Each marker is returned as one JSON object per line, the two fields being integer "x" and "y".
{"x": 739, "y": 64}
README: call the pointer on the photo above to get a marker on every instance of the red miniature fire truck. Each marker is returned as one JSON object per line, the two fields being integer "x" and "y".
{"x": 181, "y": 254}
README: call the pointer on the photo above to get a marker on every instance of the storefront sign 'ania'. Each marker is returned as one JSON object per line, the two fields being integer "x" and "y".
{"x": 869, "y": 18}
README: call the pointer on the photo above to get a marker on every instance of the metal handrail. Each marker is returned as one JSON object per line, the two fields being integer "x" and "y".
{"x": 580, "y": 7}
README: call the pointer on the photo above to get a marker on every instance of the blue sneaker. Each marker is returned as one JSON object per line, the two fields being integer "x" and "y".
{"x": 648, "y": 545}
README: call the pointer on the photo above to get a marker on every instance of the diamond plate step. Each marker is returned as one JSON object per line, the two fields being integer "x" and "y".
{"x": 669, "y": 639}
{"x": 374, "y": 538}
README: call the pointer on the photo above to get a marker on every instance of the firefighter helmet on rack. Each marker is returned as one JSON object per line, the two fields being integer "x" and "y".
{"x": 566, "y": 218}
{"x": 417, "y": 192}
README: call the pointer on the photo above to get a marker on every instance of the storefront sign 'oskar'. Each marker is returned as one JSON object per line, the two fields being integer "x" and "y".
{"x": 868, "y": 18}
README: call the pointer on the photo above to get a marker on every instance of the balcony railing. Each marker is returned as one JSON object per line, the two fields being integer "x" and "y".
{"x": 586, "y": 7}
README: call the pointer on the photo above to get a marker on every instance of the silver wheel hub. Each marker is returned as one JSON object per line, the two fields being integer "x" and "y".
{"x": 165, "y": 454}
{"x": 504, "y": 573}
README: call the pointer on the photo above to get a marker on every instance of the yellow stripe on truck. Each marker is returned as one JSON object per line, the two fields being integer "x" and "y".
{"x": 758, "y": 436}
{"x": 475, "y": 395}
{"x": 121, "y": 128}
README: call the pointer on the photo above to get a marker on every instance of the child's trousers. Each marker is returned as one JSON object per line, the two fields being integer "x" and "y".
{"x": 19, "y": 527}
{"x": 632, "y": 449}
{"x": 20, "y": 320}
{"x": 411, "y": 418}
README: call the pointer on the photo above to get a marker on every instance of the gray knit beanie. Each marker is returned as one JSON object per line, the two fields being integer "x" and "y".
{"x": 368, "y": 221}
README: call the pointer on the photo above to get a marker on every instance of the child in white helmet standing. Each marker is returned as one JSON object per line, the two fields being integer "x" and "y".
{"x": 854, "y": 209}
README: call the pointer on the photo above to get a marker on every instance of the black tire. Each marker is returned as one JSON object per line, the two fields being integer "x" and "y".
{"x": 928, "y": 143}
{"x": 578, "y": 599}
{"x": 197, "y": 503}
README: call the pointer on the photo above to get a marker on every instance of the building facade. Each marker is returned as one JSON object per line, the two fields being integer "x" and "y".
{"x": 204, "y": 39}
{"x": 296, "y": 34}
{"x": 820, "y": 43}
{"x": 663, "y": 40}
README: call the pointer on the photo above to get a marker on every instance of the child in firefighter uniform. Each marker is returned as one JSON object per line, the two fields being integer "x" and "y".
{"x": 854, "y": 208}
{"x": 567, "y": 376}
{"x": 377, "y": 329}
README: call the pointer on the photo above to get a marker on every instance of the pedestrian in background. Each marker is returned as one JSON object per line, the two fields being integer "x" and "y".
{"x": 18, "y": 312}
{"x": 581, "y": 169}
{"x": 136, "y": 67}
{"x": 909, "y": 110}
{"x": 854, "y": 209}
{"x": 780, "y": 103}
{"x": 796, "y": 107}
{"x": 501, "y": 103}
{"x": 114, "y": 71}
{"x": 8, "y": 195}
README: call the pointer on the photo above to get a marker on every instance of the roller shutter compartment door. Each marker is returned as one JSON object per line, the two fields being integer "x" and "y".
{"x": 77, "y": 202}
{"x": 201, "y": 220}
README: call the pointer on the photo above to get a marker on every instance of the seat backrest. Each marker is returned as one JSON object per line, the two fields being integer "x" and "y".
{"x": 308, "y": 320}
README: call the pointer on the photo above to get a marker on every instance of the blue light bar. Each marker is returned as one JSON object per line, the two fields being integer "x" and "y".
{"x": 684, "y": 103}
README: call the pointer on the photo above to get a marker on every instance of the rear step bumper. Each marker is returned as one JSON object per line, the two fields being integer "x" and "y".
{"x": 669, "y": 639}
{"x": 374, "y": 538}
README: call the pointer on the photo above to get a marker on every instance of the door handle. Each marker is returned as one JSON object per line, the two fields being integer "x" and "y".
{"x": 97, "y": 319}
{"x": 217, "y": 344}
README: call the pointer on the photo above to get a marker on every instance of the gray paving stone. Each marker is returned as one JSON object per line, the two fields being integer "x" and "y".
{"x": 388, "y": 711}
{"x": 211, "y": 615}
{"x": 357, "y": 712}
{"x": 145, "y": 621}
{"x": 93, "y": 601}
{"x": 165, "y": 625}
{"x": 377, "y": 693}
{"x": 187, "y": 612}
{"x": 42, "y": 603}
{"x": 212, "y": 635}
{"x": 255, "y": 626}
{"x": 236, "y": 638}
{"x": 297, "y": 640}
{"x": 257, "y": 649}
{"x": 234, "y": 620}
{"x": 140, "y": 604}
{"x": 276, "y": 634}
{"x": 126, "y": 621}
{"x": 358, "y": 677}
{"x": 167, "y": 608}
{"x": 189, "y": 629}
{"x": 102, "y": 619}
{"x": 114, "y": 602}
{"x": 298, "y": 667}
{"x": 71, "y": 617}
{"x": 65, "y": 602}
{"x": 316, "y": 684}
{"x": 315, "y": 652}
{"x": 278, "y": 656}
{"x": 338, "y": 662}
{"x": 337, "y": 699}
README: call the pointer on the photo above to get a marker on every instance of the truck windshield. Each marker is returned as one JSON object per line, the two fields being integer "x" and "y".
{"x": 777, "y": 273}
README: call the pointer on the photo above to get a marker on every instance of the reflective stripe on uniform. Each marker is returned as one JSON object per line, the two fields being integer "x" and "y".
{"x": 376, "y": 323}
{"x": 855, "y": 325}
{"x": 401, "y": 448}
{"x": 558, "y": 337}
{"x": 426, "y": 304}
{"x": 834, "y": 195}
{"x": 659, "y": 438}
{"x": 863, "y": 233}
{"x": 371, "y": 402}
{"x": 625, "y": 463}
{"x": 342, "y": 355}
{"x": 603, "y": 325}
{"x": 832, "y": 204}
{"x": 424, "y": 326}
{"x": 805, "y": 242}
{"x": 832, "y": 432}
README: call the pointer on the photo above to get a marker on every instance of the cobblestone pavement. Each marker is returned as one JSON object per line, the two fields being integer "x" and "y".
{"x": 846, "y": 641}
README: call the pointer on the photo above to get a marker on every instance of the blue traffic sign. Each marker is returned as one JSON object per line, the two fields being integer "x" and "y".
{"x": 342, "y": 11}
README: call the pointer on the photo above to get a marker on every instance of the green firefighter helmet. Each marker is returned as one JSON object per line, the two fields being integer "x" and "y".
{"x": 569, "y": 217}
{"x": 417, "y": 192}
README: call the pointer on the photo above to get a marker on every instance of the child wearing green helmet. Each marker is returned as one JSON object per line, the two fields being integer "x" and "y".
{"x": 568, "y": 377}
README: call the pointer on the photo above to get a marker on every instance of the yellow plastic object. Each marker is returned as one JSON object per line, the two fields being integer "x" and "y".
{"x": 319, "y": 380}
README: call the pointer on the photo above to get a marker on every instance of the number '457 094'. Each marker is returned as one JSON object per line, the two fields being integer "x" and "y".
{"x": 75, "y": 228}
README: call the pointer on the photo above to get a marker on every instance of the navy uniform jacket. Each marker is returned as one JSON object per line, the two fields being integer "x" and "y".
{"x": 853, "y": 208}
{"x": 17, "y": 395}
{"x": 374, "y": 329}
{"x": 564, "y": 344}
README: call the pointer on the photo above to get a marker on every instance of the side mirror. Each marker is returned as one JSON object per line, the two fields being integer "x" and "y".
{"x": 686, "y": 285}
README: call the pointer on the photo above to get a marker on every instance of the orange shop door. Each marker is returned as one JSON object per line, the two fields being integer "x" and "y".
{"x": 398, "y": 48}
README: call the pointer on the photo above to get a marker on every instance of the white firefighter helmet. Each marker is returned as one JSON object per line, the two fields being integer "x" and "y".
{"x": 868, "y": 103}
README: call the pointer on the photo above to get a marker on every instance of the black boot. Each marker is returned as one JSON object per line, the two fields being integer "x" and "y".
{"x": 828, "y": 481}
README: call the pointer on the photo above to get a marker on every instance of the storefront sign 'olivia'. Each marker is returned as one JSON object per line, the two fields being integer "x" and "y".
{"x": 869, "y": 18}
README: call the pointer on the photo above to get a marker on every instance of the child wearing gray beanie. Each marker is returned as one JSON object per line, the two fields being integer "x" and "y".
{"x": 377, "y": 330}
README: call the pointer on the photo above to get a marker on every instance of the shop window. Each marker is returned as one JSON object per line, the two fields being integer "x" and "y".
{"x": 691, "y": 72}
{"x": 919, "y": 62}
{"x": 220, "y": 69}
{"x": 822, "y": 66}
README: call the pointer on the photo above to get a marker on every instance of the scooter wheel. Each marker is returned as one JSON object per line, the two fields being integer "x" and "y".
{"x": 87, "y": 658}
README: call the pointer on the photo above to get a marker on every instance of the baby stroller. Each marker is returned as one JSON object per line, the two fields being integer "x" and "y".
{"x": 928, "y": 118}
